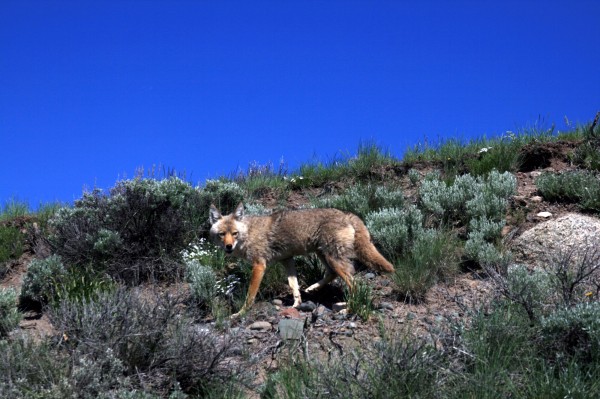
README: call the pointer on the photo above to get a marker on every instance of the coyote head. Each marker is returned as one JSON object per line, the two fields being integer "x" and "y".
{"x": 228, "y": 231}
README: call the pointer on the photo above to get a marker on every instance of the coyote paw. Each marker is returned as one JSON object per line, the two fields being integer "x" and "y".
{"x": 239, "y": 314}
{"x": 312, "y": 288}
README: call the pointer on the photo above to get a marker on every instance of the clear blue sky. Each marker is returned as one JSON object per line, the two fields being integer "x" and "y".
{"x": 92, "y": 90}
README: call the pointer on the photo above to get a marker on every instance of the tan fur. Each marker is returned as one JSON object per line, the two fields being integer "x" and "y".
{"x": 337, "y": 237}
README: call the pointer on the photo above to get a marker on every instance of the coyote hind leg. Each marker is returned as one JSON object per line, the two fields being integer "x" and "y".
{"x": 327, "y": 278}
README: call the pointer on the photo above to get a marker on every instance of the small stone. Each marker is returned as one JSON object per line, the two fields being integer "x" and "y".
{"x": 370, "y": 276}
{"x": 386, "y": 306}
{"x": 505, "y": 231}
{"x": 260, "y": 326}
{"x": 252, "y": 341}
{"x": 339, "y": 306}
{"x": 537, "y": 199}
{"x": 535, "y": 173}
{"x": 307, "y": 306}
{"x": 411, "y": 316}
{"x": 321, "y": 310}
{"x": 319, "y": 313}
{"x": 352, "y": 325}
{"x": 277, "y": 302}
{"x": 544, "y": 215}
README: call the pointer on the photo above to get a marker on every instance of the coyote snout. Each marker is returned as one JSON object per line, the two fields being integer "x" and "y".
{"x": 335, "y": 236}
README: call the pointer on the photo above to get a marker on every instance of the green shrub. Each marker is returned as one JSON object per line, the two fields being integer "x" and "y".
{"x": 43, "y": 279}
{"x": 370, "y": 163}
{"x": 11, "y": 243}
{"x": 135, "y": 233}
{"x": 9, "y": 314}
{"x": 502, "y": 156}
{"x": 581, "y": 187}
{"x": 370, "y": 159}
{"x": 499, "y": 355}
{"x": 360, "y": 299}
{"x": 14, "y": 208}
{"x": 432, "y": 257}
{"x": 587, "y": 154}
{"x": 83, "y": 284}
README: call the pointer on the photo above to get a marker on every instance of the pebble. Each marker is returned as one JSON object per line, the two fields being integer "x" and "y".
{"x": 544, "y": 215}
{"x": 370, "y": 276}
{"x": 536, "y": 199}
{"x": 386, "y": 306}
{"x": 277, "y": 302}
{"x": 260, "y": 326}
{"x": 339, "y": 306}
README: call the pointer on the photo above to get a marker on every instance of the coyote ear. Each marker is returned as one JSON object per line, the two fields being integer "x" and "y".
{"x": 214, "y": 214}
{"x": 239, "y": 211}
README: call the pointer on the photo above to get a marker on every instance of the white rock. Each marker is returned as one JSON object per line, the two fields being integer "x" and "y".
{"x": 544, "y": 215}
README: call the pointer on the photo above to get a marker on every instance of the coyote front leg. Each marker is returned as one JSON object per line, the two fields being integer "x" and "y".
{"x": 293, "y": 281}
{"x": 258, "y": 271}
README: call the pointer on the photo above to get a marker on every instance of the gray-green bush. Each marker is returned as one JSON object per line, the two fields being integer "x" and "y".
{"x": 43, "y": 279}
{"x": 361, "y": 199}
{"x": 395, "y": 229}
{"x": 572, "y": 334}
{"x": 9, "y": 314}
{"x": 479, "y": 203}
{"x": 580, "y": 187}
{"x": 225, "y": 195}
{"x": 203, "y": 282}
{"x": 468, "y": 197}
{"x": 145, "y": 339}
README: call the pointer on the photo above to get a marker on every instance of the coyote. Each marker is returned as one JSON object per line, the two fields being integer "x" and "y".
{"x": 336, "y": 237}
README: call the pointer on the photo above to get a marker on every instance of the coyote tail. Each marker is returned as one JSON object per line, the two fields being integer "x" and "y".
{"x": 366, "y": 252}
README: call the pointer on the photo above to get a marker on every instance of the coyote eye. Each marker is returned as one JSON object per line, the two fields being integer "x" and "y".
{"x": 235, "y": 234}
{"x": 221, "y": 234}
